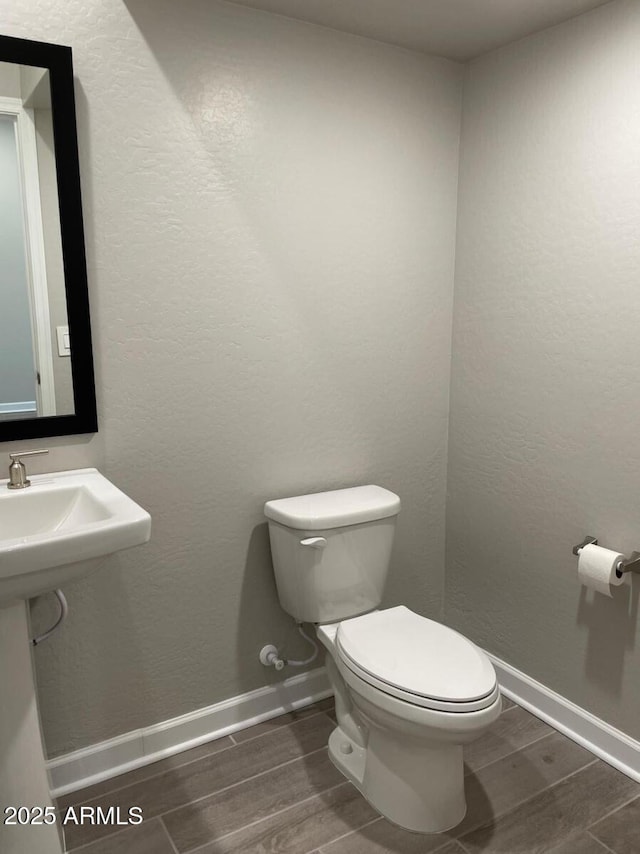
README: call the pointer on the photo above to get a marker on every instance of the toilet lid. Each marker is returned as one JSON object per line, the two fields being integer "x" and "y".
{"x": 417, "y": 659}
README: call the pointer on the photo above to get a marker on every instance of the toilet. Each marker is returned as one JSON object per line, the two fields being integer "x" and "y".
{"x": 409, "y": 692}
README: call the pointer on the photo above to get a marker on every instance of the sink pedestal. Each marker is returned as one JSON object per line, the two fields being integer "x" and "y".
{"x": 23, "y": 777}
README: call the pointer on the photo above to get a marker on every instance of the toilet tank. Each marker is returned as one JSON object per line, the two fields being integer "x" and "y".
{"x": 331, "y": 551}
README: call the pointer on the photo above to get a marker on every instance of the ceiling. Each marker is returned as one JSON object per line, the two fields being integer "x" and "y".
{"x": 458, "y": 29}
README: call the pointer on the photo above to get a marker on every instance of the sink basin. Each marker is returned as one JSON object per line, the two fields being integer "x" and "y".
{"x": 58, "y": 521}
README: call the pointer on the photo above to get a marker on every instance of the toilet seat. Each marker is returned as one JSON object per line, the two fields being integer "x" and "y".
{"x": 417, "y": 660}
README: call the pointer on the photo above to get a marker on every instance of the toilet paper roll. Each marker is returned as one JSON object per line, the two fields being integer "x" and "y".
{"x": 597, "y": 569}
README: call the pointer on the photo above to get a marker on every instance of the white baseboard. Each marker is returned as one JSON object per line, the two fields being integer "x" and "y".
{"x": 609, "y": 744}
{"x": 141, "y": 747}
{"x": 17, "y": 406}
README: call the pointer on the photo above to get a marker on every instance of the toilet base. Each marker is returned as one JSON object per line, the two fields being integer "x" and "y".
{"x": 419, "y": 787}
{"x": 347, "y": 756}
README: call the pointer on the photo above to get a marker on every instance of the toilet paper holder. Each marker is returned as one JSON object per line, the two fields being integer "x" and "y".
{"x": 630, "y": 564}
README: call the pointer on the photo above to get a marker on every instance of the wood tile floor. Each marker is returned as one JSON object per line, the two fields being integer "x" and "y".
{"x": 271, "y": 789}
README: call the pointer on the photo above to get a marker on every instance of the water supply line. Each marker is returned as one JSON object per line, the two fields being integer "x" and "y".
{"x": 64, "y": 610}
{"x": 270, "y": 655}
{"x": 313, "y": 655}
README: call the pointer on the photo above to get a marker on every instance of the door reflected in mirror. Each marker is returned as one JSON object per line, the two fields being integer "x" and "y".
{"x": 35, "y": 363}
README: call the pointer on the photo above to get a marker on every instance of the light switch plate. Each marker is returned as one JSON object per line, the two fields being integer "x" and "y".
{"x": 64, "y": 341}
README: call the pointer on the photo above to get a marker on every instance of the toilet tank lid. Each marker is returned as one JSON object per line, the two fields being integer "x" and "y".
{"x": 335, "y": 509}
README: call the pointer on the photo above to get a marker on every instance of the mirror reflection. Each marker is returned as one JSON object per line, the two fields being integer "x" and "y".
{"x": 35, "y": 364}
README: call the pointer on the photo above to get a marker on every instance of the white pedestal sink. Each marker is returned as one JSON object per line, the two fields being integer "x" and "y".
{"x": 45, "y": 531}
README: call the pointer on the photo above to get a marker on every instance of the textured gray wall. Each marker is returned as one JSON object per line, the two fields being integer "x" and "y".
{"x": 270, "y": 212}
{"x": 9, "y": 80}
{"x": 544, "y": 441}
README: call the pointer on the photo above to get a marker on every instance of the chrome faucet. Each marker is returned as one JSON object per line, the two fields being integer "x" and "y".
{"x": 17, "y": 472}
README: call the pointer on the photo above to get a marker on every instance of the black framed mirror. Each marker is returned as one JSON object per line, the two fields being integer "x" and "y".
{"x": 47, "y": 383}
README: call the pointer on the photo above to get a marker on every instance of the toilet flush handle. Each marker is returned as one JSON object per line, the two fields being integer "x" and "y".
{"x": 314, "y": 542}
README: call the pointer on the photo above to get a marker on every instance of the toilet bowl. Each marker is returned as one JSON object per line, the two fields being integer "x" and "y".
{"x": 403, "y": 749}
{"x": 409, "y": 692}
